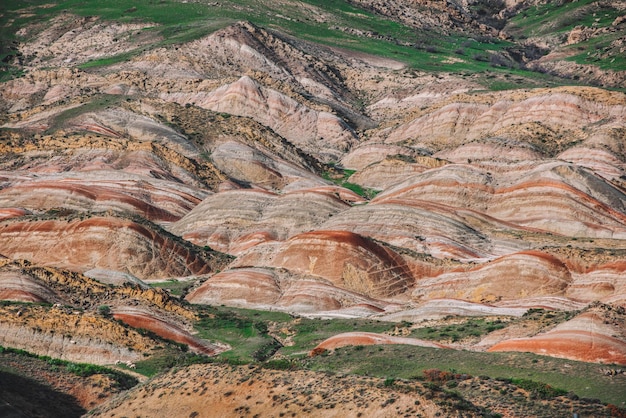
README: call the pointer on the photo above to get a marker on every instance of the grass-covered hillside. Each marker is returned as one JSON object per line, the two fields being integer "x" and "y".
{"x": 529, "y": 33}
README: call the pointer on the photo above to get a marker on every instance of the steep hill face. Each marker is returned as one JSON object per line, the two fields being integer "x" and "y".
{"x": 404, "y": 161}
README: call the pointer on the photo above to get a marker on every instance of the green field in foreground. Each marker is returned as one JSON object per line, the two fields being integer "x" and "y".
{"x": 247, "y": 331}
{"x": 408, "y": 362}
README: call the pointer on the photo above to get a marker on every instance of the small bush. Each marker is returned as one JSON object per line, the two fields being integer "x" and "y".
{"x": 104, "y": 310}
{"x": 539, "y": 389}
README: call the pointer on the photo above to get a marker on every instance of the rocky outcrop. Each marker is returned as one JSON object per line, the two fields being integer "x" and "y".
{"x": 144, "y": 319}
{"x": 71, "y": 335}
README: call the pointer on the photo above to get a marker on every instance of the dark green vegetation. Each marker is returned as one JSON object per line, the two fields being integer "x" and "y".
{"x": 336, "y": 23}
{"x": 167, "y": 359}
{"x": 173, "y": 287}
{"x": 473, "y": 327}
{"x": 341, "y": 176}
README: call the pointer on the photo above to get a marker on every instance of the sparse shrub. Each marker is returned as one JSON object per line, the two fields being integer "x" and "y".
{"x": 104, "y": 310}
{"x": 437, "y": 376}
{"x": 280, "y": 364}
{"x": 539, "y": 389}
{"x": 615, "y": 411}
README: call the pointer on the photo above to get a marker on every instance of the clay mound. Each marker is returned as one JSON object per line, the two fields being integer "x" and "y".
{"x": 116, "y": 278}
{"x": 369, "y": 338}
{"x": 367, "y": 154}
{"x": 491, "y": 150}
{"x": 549, "y": 303}
{"x": 251, "y": 287}
{"x": 393, "y": 169}
{"x": 145, "y": 319}
{"x": 7, "y": 213}
{"x": 102, "y": 242}
{"x": 553, "y": 196}
{"x": 314, "y": 297}
{"x": 158, "y": 201}
{"x": 348, "y": 261}
{"x": 278, "y": 289}
{"x": 422, "y": 226}
{"x": 512, "y": 277}
{"x": 440, "y": 308}
{"x": 16, "y": 285}
{"x": 243, "y": 47}
{"x": 255, "y": 164}
{"x": 91, "y": 158}
{"x": 595, "y": 336}
{"x": 604, "y": 283}
{"x": 318, "y": 132}
{"x": 601, "y": 161}
{"x": 234, "y": 221}
{"x": 119, "y": 122}
{"x": 453, "y": 185}
{"x": 541, "y": 112}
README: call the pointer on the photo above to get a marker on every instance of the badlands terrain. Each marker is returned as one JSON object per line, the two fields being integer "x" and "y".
{"x": 313, "y": 208}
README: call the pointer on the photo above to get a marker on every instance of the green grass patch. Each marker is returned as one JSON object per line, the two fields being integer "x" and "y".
{"x": 473, "y": 327}
{"x": 408, "y": 362}
{"x": 600, "y": 53}
{"x": 310, "y": 332}
{"x": 97, "y": 102}
{"x": 552, "y": 17}
{"x": 167, "y": 359}
{"x": 340, "y": 177}
{"x": 246, "y": 331}
{"x": 173, "y": 287}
